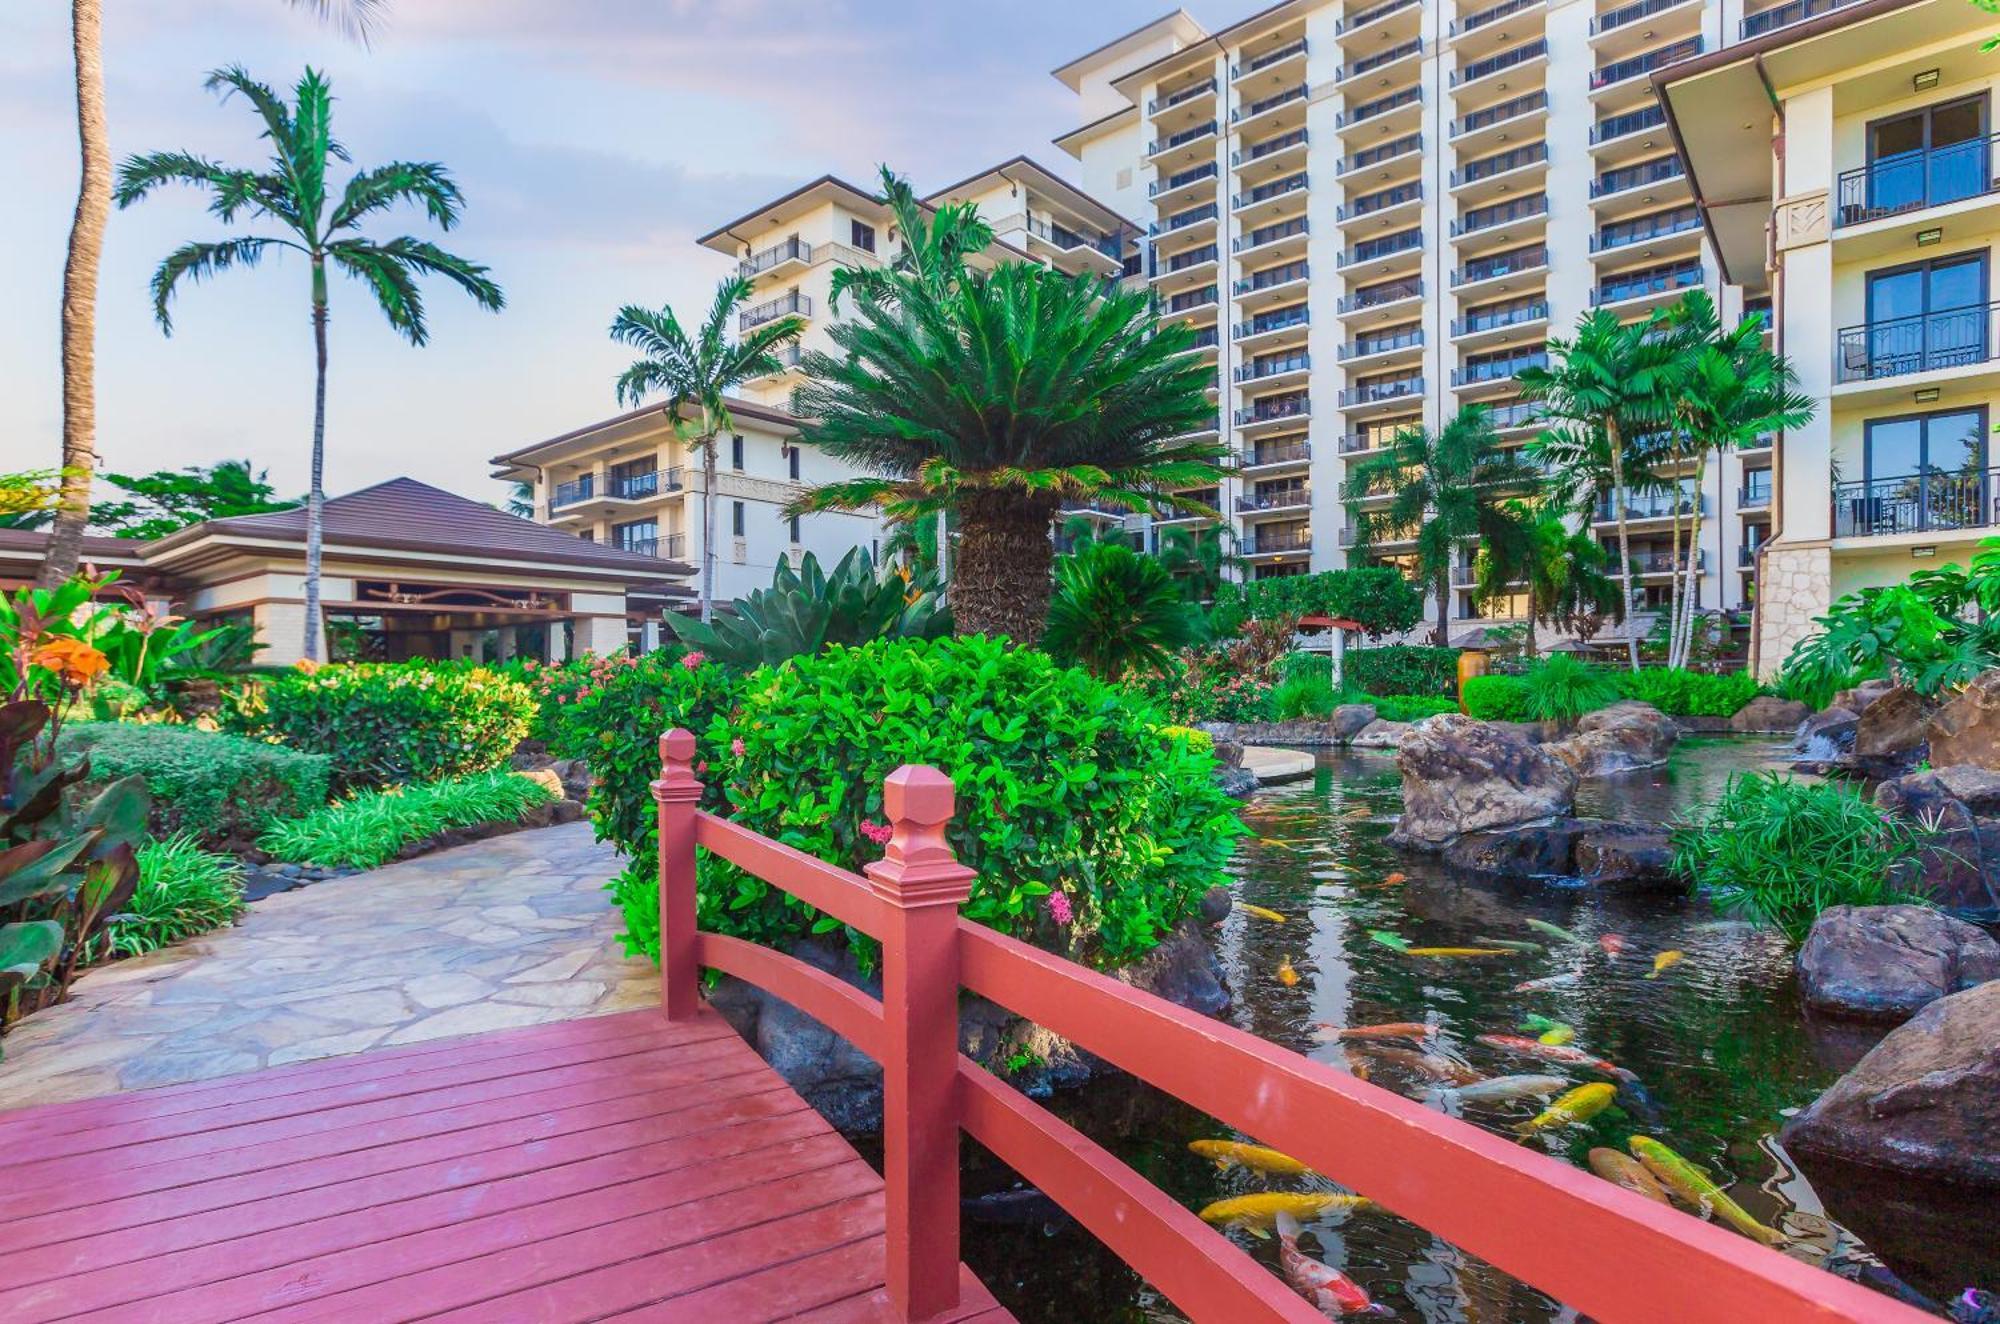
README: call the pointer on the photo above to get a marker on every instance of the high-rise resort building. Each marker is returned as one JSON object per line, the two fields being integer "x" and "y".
{"x": 1845, "y": 167}
{"x": 1372, "y": 213}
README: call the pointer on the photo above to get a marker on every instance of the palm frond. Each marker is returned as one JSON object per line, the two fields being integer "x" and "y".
{"x": 356, "y": 19}
{"x": 423, "y": 182}
{"x": 198, "y": 262}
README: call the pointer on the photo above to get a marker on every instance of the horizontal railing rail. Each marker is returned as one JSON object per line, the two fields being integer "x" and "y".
{"x": 577, "y": 489}
{"x": 1657, "y": 171}
{"x": 1401, "y": 51}
{"x": 1494, "y": 64}
{"x": 1286, "y": 498}
{"x": 1374, "y": 296}
{"x": 1629, "y": 122}
{"x": 1258, "y": 151}
{"x": 1898, "y": 346}
{"x": 1911, "y": 181}
{"x": 1513, "y": 108}
{"x": 1276, "y": 366}
{"x": 1620, "y": 70}
{"x": 1184, "y": 95}
{"x": 1268, "y": 58}
{"x": 1500, "y": 213}
{"x": 793, "y": 249}
{"x": 1269, "y": 234}
{"x": 1936, "y": 501}
{"x": 1486, "y": 167}
{"x": 1638, "y": 284}
{"x": 785, "y": 305}
{"x": 1272, "y": 102}
{"x": 1368, "y": 110}
{"x": 1619, "y": 234}
{"x": 1192, "y": 175}
{"x": 1492, "y": 319}
{"x": 1382, "y": 343}
{"x": 1474, "y": 22}
{"x": 1280, "y": 321}
{"x": 1501, "y": 264}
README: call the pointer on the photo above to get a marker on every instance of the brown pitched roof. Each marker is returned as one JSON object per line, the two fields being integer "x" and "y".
{"x": 407, "y": 515}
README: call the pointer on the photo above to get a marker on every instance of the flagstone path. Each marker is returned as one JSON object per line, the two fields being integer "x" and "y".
{"x": 515, "y": 930}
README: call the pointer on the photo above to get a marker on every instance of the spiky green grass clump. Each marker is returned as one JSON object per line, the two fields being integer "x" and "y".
{"x": 183, "y": 891}
{"x": 370, "y": 828}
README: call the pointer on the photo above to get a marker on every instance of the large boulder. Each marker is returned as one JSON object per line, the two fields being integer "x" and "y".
{"x": 1537, "y": 850}
{"x": 1769, "y": 713}
{"x": 1924, "y": 1104}
{"x": 1890, "y": 962}
{"x": 1183, "y": 969}
{"x": 1967, "y": 728}
{"x": 1625, "y": 855}
{"x": 1889, "y": 737}
{"x": 1380, "y": 734}
{"x": 1620, "y": 738}
{"x": 1858, "y": 699}
{"x": 1959, "y": 871}
{"x": 1948, "y": 798}
{"x": 1350, "y": 720}
{"x": 1462, "y": 775}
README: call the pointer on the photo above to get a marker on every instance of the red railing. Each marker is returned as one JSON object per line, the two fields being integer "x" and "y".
{"x": 1611, "y": 1254}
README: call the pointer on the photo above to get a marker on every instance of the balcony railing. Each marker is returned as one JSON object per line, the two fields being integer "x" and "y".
{"x": 1632, "y": 13}
{"x": 1368, "y": 393}
{"x": 1488, "y": 166}
{"x": 1400, "y": 51}
{"x": 1193, "y": 174}
{"x": 1158, "y": 104}
{"x": 1387, "y": 151}
{"x": 1657, "y": 171}
{"x": 1065, "y": 238}
{"x": 1200, "y": 298}
{"x": 1403, "y": 241}
{"x": 1500, "y": 213}
{"x": 1513, "y": 108}
{"x": 1206, "y": 338}
{"x": 1356, "y": 22}
{"x": 1272, "y": 102}
{"x": 1269, "y": 234}
{"x": 1494, "y": 64}
{"x": 1268, "y": 58}
{"x": 1276, "y": 366}
{"x": 1369, "y": 203}
{"x": 1637, "y": 231}
{"x": 637, "y": 487}
{"x": 1948, "y": 338}
{"x": 1492, "y": 319}
{"x": 1651, "y": 505}
{"x": 1518, "y": 414}
{"x": 1362, "y": 346}
{"x": 1474, "y": 22}
{"x": 1632, "y": 121}
{"x": 1664, "y": 563}
{"x": 1274, "y": 321}
{"x": 1915, "y": 180}
{"x": 1283, "y": 498}
{"x": 1258, "y": 151}
{"x": 577, "y": 489}
{"x": 1193, "y": 257}
{"x": 791, "y": 303}
{"x": 1632, "y": 285}
{"x": 1498, "y": 369}
{"x": 673, "y": 546}
{"x": 793, "y": 249}
{"x": 1281, "y": 406}
{"x": 1368, "y": 110}
{"x": 1181, "y": 220}
{"x": 1374, "y": 296}
{"x": 1783, "y": 16}
{"x": 1278, "y": 452}
{"x": 1940, "y": 500}
{"x": 1639, "y": 65}
{"x": 1277, "y": 540}
{"x": 1188, "y": 135}
{"x": 1277, "y": 188}
{"x": 1754, "y": 496}
{"x": 1264, "y": 280}
{"x": 1501, "y": 264}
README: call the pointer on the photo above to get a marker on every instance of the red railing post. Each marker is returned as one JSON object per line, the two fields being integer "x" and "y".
{"x": 923, "y": 884}
{"x": 676, "y": 794}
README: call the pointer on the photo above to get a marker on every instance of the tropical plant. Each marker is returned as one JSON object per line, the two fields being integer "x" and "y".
{"x": 1779, "y": 851}
{"x": 183, "y": 891}
{"x": 373, "y": 827}
{"x": 295, "y": 194}
{"x": 1402, "y": 669}
{"x": 1933, "y": 633}
{"x": 807, "y": 610}
{"x": 696, "y": 376}
{"x": 1730, "y": 391}
{"x": 1681, "y": 693}
{"x": 1559, "y": 569}
{"x": 1305, "y": 694}
{"x": 1604, "y": 390}
{"x": 28, "y": 500}
{"x": 922, "y": 544}
{"x": 521, "y": 500}
{"x": 1559, "y": 688}
{"x": 1496, "y": 698}
{"x": 1379, "y": 598}
{"x": 1444, "y": 487}
{"x": 1115, "y": 612}
{"x": 170, "y": 499}
{"x": 1001, "y": 396}
{"x": 1199, "y": 559}
{"x": 219, "y": 790}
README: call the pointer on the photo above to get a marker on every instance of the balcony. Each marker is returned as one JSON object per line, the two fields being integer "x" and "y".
{"x": 639, "y": 487}
{"x": 1650, "y": 506}
{"x": 1182, "y": 220}
{"x": 1206, "y": 496}
{"x": 792, "y": 250}
{"x": 1381, "y": 296}
{"x": 1913, "y": 181}
{"x": 1612, "y": 20}
{"x": 1386, "y": 342}
{"x": 1203, "y": 256}
{"x": 1387, "y": 200}
{"x": 1295, "y": 497}
{"x": 1366, "y": 394}
{"x": 1474, "y": 22}
{"x": 1269, "y": 148}
{"x": 1277, "y": 188}
{"x": 1295, "y": 450}
{"x": 1273, "y": 277}
{"x": 1275, "y": 409}
{"x": 790, "y": 304}
{"x": 1511, "y": 263}
{"x": 1265, "y": 235}
{"x": 1504, "y": 163}
{"x": 1497, "y": 64}
{"x": 1291, "y": 50}
{"x": 1266, "y": 542}
{"x": 1206, "y": 129}
{"x": 672, "y": 547}
{"x": 1614, "y": 127}
{"x": 1513, "y": 416}
{"x": 1369, "y": 111}
{"x": 1503, "y": 213}
{"x": 1204, "y": 297}
{"x": 1754, "y": 496}
{"x": 1783, "y": 16}
{"x": 1068, "y": 240}
{"x": 1519, "y": 313}
{"x": 574, "y": 492}
{"x": 1664, "y": 563}
{"x": 788, "y": 358}
{"x": 1206, "y": 338}
{"x": 1659, "y": 225}
{"x": 1638, "y": 66}
{"x": 1380, "y": 153}
{"x": 1389, "y": 245}
{"x": 1940, "y": 501}
{"x": 1369, "y": 17}
{"x": 1175, "y": 182}
{"x": 1500, "y": 368}
{"x": 1282, "y": 319}
{"x": 1660, "y": 170}
{"x": 1948, "y": 338}
{"x": 1381, "y": 59}
{"x": 1265, "y": 105}
{"x": 1528, "y": 103}
{"x": 1273, "y": 366}
{"x": 1204, "y": 88}
{"x": 1651, "y": 283}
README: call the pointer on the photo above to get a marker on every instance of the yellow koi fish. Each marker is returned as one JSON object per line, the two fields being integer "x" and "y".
{"x": 1450, "y": 952}
{"x": 1665, "y": 961}
{"x": 1286, "y": 975}
{"x": 1226, "y": 1154}
{"x": 1557, "y": 1036}
{"x": 1692, "y": 1185}
{"x": 1624, "y": 1170}
{"x": 1260, "y": 912}
{"x": 1257, "y": 1212}
{"x": 1579, "y": 1105}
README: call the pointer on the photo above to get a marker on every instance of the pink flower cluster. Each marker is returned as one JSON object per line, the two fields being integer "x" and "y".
{"x": 736, "y": 747}
{"x": 879, "y": 833}
{"x": 1059, "y": 908}
{"x": 693, "y": 661}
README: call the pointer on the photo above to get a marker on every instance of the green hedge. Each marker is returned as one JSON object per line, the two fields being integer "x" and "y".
{"x": 1379, "y": 598}
{"x": 1410, "y": 707}
{"x": 1497, "y": 698}
{"x": 1675, "y": 692}
{"x": 1402, "y": 669}
{"x": 384, "y": 723}
{"x": 218, "y": 789}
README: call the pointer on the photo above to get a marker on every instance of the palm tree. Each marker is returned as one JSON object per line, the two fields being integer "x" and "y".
{"x": 1560, "y": 569}
{"x": 1602, "y": 391}
{"x": 1731, "y": 391}
{"x": 1001, "y": 396}
{"x": 699, "y": 374}
{"x": 1197, "y": 558}
{"x": 294, "y": 195}
{"x": 86, "y": 248}
{"x": 1115, "y": 611}
{"x": 1445, "y": 487}
{"x": 521, "y": 499}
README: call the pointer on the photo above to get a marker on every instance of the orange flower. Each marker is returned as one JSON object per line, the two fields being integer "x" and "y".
{"x": 72, "y": 659}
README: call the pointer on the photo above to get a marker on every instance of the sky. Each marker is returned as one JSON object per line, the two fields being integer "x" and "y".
{"x": 593, "y": 139}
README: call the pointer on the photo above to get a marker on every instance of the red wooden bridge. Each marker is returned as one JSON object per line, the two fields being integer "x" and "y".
{"x": 648, "y": 1166}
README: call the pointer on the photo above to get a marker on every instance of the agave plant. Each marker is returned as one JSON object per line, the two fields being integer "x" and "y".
{"x": 806, "y": 610}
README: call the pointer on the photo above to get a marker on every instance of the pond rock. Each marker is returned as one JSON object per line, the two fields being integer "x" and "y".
{"x": 1236, "y": 781}
{"x": 1380, "y": 734}
{"x": 1967, "y": 728}
{"x": 1891, "y": 733}
{"x": 1536, "y": 850}
{"x": 1619, "y": 856}
{"x": 1826, "y": 733}
{"x": 1959, "y": 870}
{"x": 1216, "y": 903}
{"x": 1890, "y": 962}
{"x": 1924, "y": 1103}
{"x": 1625, "y": 855}
{"x": 1351, "y": 719}
{"x": 1769, "y": 713}
{"x": 1184, "y": 970}
{"x": 1462, "y": 775}
{"x": 1856, "y": 700}
{"x": 1623, "y": 737}
{"x": 1942, "y": 797}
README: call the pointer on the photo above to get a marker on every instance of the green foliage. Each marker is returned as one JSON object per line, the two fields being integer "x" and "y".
{"x": 1779, "y": 851}
{"x": 1562, "y": 689}
{"x": 1402, "y": 669}
{"x": 1066, "y": 789}
{"x": 1815, "y": 687}
{"x": 1306, "y": 690}
{"x": 169, "y": 499}
{"x": 807, "y": 610}
{"x": 1496, "y": 698}
{"x": 395, "y": 722}
{"x": 1933, "y": 633}
{"x": 1114, "y": 612}
{"x": 1305, "y": 695}
{"x": 1681, "y": 693}
{"x": 183, "y": 891}
{"x": 216, "y": 789}
{"x": 1380, "y": 598}
{"x": 369, "y": 829}
{"x": 1409, "y": 707}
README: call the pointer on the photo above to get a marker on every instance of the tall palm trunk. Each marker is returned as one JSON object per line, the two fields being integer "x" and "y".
{"x": 316, "y": 493}
{"x": 707, "y": 519}
{"x": 1000, "y": 581}
{"x": 1617, "y": 446}
{"x": 79, "y": 301}
{"x": 1443, "y": 591}
{"x": 1689, "y": 576}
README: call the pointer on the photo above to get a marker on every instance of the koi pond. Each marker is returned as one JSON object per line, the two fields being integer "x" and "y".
{"x": 1717, "y": 1040}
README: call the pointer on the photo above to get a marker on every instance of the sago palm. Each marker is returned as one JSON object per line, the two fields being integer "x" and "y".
{"x": 699, "y": 373}
{"x": 1115, "y": 611}
{"x": 1000, "y": 396}
{"x": 1444, "y": 487}
{"x": 1603, "y": 390}
{"x": 294, "y": 196}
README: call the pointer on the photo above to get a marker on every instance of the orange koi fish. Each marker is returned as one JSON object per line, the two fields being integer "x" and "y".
{"x": 1393, "y": 1030}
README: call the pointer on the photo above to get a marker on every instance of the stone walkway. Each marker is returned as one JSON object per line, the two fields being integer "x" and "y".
{"x": 514, "y": 930}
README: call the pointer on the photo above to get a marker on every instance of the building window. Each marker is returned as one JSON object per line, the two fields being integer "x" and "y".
{"x": 736, "y": 451}
{"x": 792, "y": 528}
{"x": 642, "y": 536}
{"x": 793, "y": 462}
{"x": 1926, "y": 157}
{"x": 736, "y": 518}
{"x": 863, "y": 236}
{"x": 1925, "y": 315}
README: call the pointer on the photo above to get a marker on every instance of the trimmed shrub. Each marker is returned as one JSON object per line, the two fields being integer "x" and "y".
{"x": 1409, "y": 707}
{"x": 1091, "y": 830}
{"x": 371, "y": 828}
{"x": 1681, "y": 693}
{"x": 220, "y": 790}
{"x": 383, "y": 723}
{"x": 1380, "y": 598}
{"x": 1402, "y": 669}
{"x": 183, "y": 891}
{"x": 1497, "y": 698}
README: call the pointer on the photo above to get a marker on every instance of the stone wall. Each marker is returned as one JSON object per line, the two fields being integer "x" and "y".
{"x": 1794, "y": 585}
